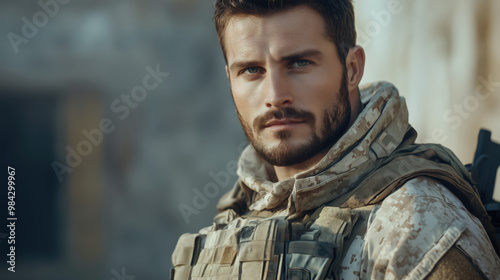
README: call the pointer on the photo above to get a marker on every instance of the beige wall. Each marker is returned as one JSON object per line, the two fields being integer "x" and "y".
{"x": 440, "y": 55}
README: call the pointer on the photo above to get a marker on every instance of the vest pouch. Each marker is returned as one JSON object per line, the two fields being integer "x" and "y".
{"x": 186, "y": 254}
{"x": 262, "y": 246}
{"x": 217, "y": 255}
{"x": 308, "y": 260}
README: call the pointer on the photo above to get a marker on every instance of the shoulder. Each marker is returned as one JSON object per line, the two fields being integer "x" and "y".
{"x": 416, "y": 225}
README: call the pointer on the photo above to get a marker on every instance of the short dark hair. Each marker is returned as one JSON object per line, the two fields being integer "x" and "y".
{"x": 337, "y": 14}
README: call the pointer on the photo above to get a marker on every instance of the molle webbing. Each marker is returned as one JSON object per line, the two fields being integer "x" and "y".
{"x": 271, "y": 248}
{"x": 238, "y": 253}
{"x": 262, "y": 245}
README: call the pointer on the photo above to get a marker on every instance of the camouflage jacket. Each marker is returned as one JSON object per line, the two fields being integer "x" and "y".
{"x": 376, "y": 206}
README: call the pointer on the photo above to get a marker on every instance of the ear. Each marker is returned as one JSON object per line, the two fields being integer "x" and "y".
{"x": 227, "y": 73}
{"x": 355, "y": 66}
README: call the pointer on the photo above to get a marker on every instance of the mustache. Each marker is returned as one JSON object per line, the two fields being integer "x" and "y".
{"x": 285, "y": 113}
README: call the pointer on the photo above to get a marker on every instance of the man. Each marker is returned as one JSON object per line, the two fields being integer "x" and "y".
{"x": 332, "y": 185}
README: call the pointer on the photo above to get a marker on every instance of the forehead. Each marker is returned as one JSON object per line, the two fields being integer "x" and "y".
{"x": 300, "y": 27}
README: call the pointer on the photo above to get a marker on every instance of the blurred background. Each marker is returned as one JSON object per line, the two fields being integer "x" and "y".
{"x": 118, "y": 119}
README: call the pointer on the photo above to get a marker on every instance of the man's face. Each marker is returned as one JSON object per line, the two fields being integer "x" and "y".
{"x": 288, "y": 84}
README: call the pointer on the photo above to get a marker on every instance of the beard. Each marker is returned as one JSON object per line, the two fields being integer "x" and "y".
{"x": 335, "y": 122}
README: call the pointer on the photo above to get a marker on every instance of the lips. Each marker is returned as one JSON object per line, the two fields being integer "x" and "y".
{"x": 282, "y": 122}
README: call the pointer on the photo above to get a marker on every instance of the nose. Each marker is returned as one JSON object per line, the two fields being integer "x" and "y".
{"x": 277, "y": 90}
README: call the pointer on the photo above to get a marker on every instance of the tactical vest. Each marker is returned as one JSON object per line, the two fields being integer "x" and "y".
{"x": 302, "y": 247}
{"x": 311, "y": 245}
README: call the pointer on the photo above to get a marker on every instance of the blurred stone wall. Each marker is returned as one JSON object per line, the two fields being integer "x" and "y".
{"x": 122, "y": 200}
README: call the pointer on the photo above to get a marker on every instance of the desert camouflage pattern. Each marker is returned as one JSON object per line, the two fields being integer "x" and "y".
{"x": 301, "y": 228}
{"x": 412, "y": 229}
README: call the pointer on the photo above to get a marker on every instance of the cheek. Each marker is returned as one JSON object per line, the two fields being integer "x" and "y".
{"x": 242, "y": 101}
{"x": 323, "y": 82}
{"x": 246, "y": 98}
{"x": 319, "y": 96}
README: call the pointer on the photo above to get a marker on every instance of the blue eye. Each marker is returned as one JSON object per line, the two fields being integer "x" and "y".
{"x": 251, "y": 70}
{"x": 300, "y": 63}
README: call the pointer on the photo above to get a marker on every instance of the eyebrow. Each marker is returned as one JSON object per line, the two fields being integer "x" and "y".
{"x": 293, "y": 56}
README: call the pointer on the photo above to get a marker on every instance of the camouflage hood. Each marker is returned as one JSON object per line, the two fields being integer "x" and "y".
{"x": 376, "y": 133}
